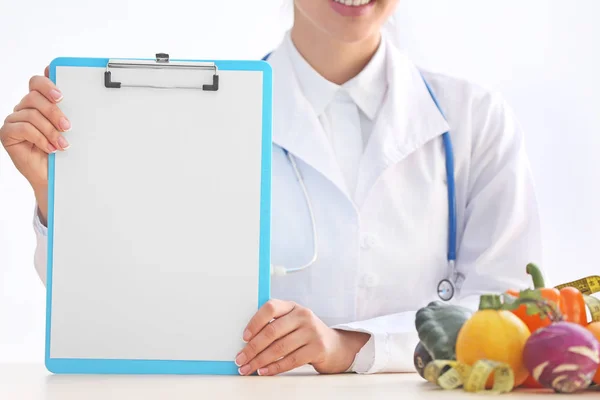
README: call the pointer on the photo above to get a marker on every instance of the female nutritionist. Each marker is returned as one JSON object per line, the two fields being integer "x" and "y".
{"x": 386, "y": 153}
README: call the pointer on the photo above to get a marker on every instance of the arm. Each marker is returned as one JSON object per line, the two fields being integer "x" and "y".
{"x": 41, "y": 236}
{"x": 501, "y": 235}
{"x": 34, "y": 130}
{"x": 392, "y": 341}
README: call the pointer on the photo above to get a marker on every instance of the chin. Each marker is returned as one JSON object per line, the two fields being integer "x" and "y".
{"x": 347, "y": 20}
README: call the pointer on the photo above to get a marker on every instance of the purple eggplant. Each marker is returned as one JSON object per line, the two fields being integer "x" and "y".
{"x": 421, "y": 359}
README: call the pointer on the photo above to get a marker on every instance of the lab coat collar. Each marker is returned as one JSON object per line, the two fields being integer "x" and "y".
{"x": 368, "y": 88}
{"x": 408, "y": 119}
{"x": 318, "y": 91}
{"x": 296, "y": 126}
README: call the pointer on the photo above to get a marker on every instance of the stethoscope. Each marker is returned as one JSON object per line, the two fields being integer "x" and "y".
{"x": 447, "y": 287}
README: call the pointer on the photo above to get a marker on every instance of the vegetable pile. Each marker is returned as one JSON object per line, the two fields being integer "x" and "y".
{"x": 535, "y": 338}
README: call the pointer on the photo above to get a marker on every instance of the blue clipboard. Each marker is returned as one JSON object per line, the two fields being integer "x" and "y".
{"x": 65, "y": 280}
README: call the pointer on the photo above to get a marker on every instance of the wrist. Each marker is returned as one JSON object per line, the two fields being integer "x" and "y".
{"x": 351, "y": 343}
{"x": 354, "y": 341}
{"x": 41, "y": 198}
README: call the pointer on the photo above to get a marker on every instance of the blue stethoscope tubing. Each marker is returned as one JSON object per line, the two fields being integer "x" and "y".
{"x": 446, "y": 287}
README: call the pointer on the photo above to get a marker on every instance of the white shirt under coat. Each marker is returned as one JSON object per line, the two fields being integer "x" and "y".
{"x": 346, "y": 112}
{"x": 383, "y": 226}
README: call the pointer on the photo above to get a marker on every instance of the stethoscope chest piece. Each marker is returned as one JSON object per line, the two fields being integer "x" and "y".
{"x": 445, "y": 290}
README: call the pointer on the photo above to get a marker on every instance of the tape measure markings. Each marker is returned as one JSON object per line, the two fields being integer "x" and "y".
{"x": 593, "y": 305}
{"x": 588, "y": 285}
{"x": 452, "y": 374}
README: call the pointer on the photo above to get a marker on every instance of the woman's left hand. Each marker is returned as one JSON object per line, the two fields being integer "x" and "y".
{"x": 283, "y": 336}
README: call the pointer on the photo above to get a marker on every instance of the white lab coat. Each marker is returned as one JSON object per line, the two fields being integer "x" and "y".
{"x": 382, "y": 255}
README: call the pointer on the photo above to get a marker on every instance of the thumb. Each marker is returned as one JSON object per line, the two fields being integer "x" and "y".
{"x": 47, "y": 71}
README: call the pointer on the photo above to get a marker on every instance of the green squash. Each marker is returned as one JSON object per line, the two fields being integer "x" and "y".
{"x": 438, "y": 325}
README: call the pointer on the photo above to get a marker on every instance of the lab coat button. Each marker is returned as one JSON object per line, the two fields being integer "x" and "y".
{"x": 368, "y": 241}
{"x": 370, "y": 280}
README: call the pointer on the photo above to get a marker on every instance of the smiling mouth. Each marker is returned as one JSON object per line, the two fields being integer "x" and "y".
{"x": 353, "y": 8}
{"x": 354, "y": 3}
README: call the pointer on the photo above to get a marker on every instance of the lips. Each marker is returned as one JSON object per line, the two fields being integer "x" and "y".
{"x": 352, "y": 8}
{"x": 353, "y": 3}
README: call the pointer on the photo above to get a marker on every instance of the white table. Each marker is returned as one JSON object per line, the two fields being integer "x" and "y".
{"x": 33, "y": 382}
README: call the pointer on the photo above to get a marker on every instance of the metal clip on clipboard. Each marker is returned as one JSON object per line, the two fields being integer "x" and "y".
{"x": 161, "y": 61}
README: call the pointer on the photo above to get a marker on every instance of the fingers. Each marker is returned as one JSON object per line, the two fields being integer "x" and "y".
{"x": 266, "y": 337}
{"x": 24, "y": 131}
{"x": 276, "y": 350}
{"x": 293, "y": 360}
{"x": 45, "y": 115}
{"x": 42, "y": 125}
{"x": 46, "y": 87}
{"x": 272, "y": 309}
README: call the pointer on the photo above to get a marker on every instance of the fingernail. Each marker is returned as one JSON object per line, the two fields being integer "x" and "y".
{"x": 263, "y": 371}
{"x": 56, "y": 95}
{"x": 240, "y": 359}
{"x": 244, "y": 370}
{"x": 64, "y": 124}
{"x": 62, "y": 142}
{"x": 51, "y": 148}
{"x": 247, "y": 335}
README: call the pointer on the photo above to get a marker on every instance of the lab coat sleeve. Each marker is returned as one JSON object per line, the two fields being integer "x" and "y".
{"x": 392, "y": 343}
{"x": 500, "y": 230}
{"x": 40, "y": 254}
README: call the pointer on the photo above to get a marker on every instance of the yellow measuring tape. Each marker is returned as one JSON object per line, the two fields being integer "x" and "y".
{"x": 593, "y": 305}
{"x": 587, "y": 286}
{"x": 452, "y": 374}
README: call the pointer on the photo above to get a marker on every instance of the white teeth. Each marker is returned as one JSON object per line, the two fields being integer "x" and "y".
{"x": 353, "y": 3}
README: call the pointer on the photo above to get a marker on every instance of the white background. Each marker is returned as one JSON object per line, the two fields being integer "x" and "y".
{"x": 544, "y": 56}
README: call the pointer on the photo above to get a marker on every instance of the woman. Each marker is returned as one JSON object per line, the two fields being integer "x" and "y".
{"x": 359, "y": 121}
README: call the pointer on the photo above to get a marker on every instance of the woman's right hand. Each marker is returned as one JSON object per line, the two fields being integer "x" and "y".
{"x": 33, "y": 131}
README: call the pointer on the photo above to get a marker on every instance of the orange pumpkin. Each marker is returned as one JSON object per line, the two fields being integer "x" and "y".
{"x": 496, "y": 335}
{"x": 594, "y": 327}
